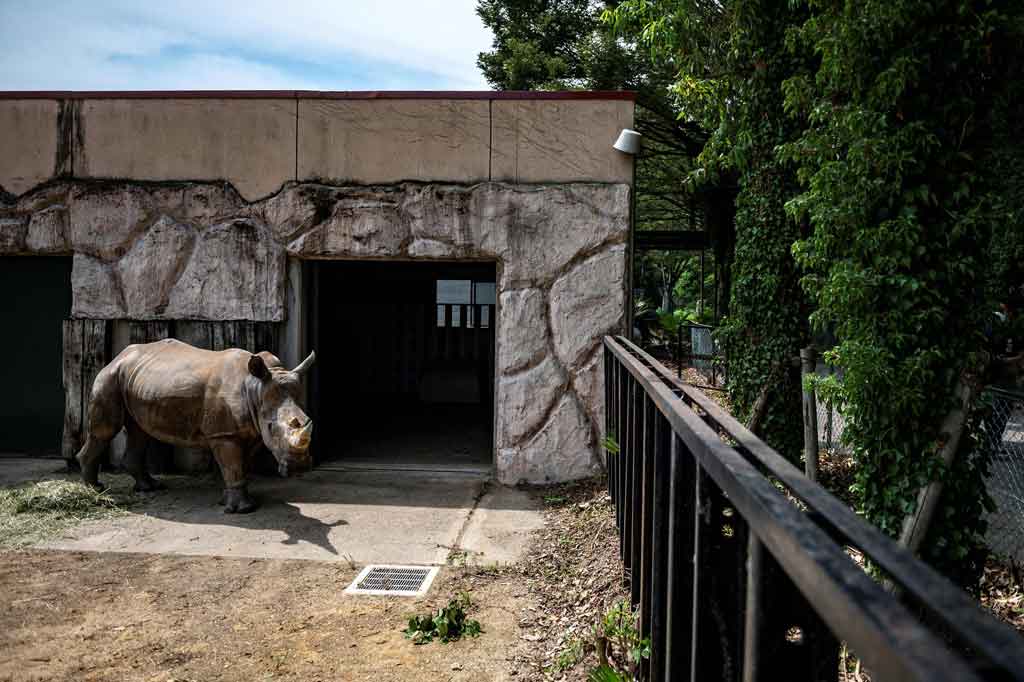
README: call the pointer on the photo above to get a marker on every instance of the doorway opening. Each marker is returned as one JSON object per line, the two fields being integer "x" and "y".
{"x": 404, "y": 377}
{"x": 37, "y": 298}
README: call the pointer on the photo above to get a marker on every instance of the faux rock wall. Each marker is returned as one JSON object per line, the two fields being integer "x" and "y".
{"x": 198, "y": 251}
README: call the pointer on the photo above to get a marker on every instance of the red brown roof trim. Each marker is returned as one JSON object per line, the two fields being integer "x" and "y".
{"x": 323, "y": 94}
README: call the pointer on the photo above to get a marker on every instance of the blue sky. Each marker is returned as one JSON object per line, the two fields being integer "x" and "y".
{"x": 229, "y": 45}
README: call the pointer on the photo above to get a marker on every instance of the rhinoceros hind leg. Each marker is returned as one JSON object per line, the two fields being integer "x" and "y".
{"x": 105, "y": 418}
{"x": 238, "y": 501}
{"x": 89, "y": 461}
{"x": 135, "y": 458}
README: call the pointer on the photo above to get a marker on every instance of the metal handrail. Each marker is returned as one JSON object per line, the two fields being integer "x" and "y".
{"x": 807, "y": 545}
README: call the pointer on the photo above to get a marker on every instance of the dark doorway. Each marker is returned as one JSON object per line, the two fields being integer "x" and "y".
{"x": 404, "y": 377}
{"x": 35, "y": 299}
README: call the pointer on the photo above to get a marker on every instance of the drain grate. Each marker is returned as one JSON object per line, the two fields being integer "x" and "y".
{"x": 405, "y": 581}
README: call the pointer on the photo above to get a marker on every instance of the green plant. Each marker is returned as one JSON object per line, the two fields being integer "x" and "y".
{"x": 901, "y": 126}
{"x": 620, "y": 648}
{"x": 611, "y": 445}
{"x": 570, "y": 655}
{"x": 448, "y": 624}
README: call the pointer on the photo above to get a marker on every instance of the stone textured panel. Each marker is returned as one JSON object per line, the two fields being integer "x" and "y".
{"x": 237, "y": 272}
{"x": 566, "y": 221}
{"x": 13, "y": 232}
{"x": 95, "y": 293}
{"x": 106, "y": 219}
{"x": 387, "y": 140}
{"x": 559, "y": 141}
{"x": 522, "y": 328}
{"x": 360, "y": 224}
{"x": 562, "y": 450}
{"x": 587, "y": 303}
{"x": 150, "y": 269}
{"x": 525, "y": 400}
{"x": 28, "y": 139}
{"x": 48, "y": 231}
{"x": 248, "y": 142}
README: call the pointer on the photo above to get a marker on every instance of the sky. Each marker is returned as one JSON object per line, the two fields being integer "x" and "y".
{"x": 231, "y": 45}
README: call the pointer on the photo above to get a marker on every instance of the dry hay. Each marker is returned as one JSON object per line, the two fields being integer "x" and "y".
{"x": 32, "y": 512}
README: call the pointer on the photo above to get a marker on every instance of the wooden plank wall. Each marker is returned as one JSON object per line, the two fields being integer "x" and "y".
{"x": 87, "y": 349}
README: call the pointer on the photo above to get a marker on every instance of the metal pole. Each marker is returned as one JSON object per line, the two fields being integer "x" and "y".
{"x": 700, "y": 301}
{"x": 808, "y": 361}
{"x": 752, "y": 616}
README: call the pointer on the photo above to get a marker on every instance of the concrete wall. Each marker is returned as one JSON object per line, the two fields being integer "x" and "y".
{"x": 260, "y": 143}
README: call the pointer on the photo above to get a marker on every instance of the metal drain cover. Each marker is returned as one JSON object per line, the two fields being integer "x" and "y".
{"x": 403, "y": 581}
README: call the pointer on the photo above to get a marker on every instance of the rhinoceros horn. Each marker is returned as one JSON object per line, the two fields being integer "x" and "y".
{"x": 302, "y": 438}
{"x": 304, "y": 366}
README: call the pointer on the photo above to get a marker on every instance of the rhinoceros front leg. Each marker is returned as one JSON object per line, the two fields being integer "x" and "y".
{"x": 231, "y": 460}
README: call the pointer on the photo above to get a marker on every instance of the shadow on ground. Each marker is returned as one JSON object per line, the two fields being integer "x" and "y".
{"x": 360, "y": 517}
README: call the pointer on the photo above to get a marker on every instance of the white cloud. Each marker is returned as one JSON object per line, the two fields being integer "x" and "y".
{"x": 183, "y": 44}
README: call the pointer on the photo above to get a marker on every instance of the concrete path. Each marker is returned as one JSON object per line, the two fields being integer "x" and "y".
{"x": 362, "y": 517}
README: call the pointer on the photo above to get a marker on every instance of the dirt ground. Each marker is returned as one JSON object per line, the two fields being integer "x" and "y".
{"x": 158, "y": 618}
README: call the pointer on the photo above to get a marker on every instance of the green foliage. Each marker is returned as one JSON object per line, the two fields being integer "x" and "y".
{"x": 606, "y": 673}
{"x": 620, "y": 646}
{"x": 730, "y": 63}
{"x": 611, "y": 446}
{"x": 448, "y": 624}
{"x": 876, "y": 150}
{"x": 570, "y": 655}
{"x": 899, "y": 117}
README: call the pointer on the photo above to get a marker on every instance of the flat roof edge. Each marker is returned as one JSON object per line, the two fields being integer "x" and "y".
{"x": 323, "y": 94}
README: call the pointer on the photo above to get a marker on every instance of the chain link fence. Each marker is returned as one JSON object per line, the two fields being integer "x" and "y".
{"x": 831, "y": 422}
{"x": 1003, "y": 434}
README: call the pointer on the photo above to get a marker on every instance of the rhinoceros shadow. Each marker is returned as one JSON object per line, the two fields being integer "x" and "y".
{"x": 193, "y": 502}
{"x": 299, "y": 527}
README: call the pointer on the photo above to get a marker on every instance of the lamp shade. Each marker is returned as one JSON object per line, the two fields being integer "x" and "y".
{"x": 628, "y": 142}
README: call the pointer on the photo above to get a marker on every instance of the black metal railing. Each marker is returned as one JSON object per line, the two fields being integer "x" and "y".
{"x": 736, "y": 579}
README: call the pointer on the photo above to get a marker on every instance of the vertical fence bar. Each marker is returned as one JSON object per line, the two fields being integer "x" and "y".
{"x": 621, "y": 387}
{"x": 647, "y": 534}
{"x": 659, "y": 546}
{"x": 752, "y": 621}
{"x": 679, "y": 571}
{"x": 628, "y": 498}
{"x": 637, "y": 496}
{"x": 698, "y": 539}
{"x": 609, "y": 421}
{"x": 721, "y": 553}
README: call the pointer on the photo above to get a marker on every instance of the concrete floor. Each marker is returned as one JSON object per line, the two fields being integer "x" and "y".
{"x": 363, "y": 517}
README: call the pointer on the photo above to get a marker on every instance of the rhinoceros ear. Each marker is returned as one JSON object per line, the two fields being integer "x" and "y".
{"x": 258, "y": 368}
{"x": 304, "y": 366}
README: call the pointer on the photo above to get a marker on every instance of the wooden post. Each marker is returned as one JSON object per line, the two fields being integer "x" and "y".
{"x": 809, "y": 360}
{"x": 915, "y": 525}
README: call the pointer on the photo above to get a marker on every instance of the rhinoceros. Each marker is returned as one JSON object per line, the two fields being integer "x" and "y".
{"x": 229, "y": 401}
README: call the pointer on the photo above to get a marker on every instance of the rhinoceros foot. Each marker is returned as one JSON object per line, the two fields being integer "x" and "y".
{"x": 237, "y": 501}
